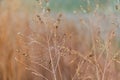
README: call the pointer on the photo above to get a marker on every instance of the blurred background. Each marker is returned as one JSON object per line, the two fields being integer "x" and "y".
{"x": 82, "y": 35}
{"x": 85, "y": 6}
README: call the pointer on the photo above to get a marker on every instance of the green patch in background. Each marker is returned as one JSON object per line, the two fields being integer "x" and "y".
{"x": 80, "y": 5}
{"x": 76, "y": 5}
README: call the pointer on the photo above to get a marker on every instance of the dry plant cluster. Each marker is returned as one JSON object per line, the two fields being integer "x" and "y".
{"x": 54, "y": 47}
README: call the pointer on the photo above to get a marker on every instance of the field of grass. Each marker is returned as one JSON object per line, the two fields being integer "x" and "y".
{"x": 57, "y": 46}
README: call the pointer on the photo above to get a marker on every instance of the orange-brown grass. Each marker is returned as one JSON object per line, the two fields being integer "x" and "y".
{"x": 56, "y": 47}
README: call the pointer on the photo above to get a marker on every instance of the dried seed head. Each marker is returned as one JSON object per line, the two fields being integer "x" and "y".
{"x": 19, "y": 33}
{"x": 60, "y": 15}
{"x": 24, "y": 54}
{"x": 17, "y": 50}
{"x": 56, "y": 27}
{"x": 64, "y": 34}
{"x": 113, "y": 34}
{"x": 38, "y": 16}
{"x": 97, "y": 40}
{"x": 39, "y": 2}
{"x": 116, "y": 7}
{"x": 59, "y": 18}
{"x": 48, "y": 10}
{"x": 91, "y": 55}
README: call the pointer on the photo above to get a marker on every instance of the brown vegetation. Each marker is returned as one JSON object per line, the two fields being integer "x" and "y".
{"x": 57, "y": 48}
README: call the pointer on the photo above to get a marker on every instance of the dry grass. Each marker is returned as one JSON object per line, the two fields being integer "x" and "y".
{"x": 57, "y": 48}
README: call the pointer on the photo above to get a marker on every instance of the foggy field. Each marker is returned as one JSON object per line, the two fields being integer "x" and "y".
{"x": 41, "y": 41}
